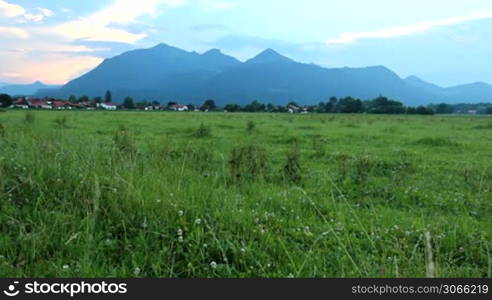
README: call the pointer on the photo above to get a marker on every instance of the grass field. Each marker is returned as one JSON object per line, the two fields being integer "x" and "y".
{"x": 129, "y": 194}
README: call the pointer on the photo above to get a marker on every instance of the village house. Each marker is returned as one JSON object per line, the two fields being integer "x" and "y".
{"x": 20, "y": 103}
{"x": 60, "y": 105}
{"x": 292, "y": 109}
{"x": 108, "y": 106}
{"x": 153, "y": 107}
{"x": 33, "y": 103}
{"x": 178, "y": 107}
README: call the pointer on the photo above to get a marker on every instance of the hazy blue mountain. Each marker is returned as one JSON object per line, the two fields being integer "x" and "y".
{"x": 418, "y": 83}
{"x": 25, "y": 89}
{"x": 150, "y": 72}
{"x": 166, "y": 73}
{"x": 475, "y": 92}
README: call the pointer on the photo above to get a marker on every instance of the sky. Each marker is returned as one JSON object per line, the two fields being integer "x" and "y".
{"x": 441, "y": 41}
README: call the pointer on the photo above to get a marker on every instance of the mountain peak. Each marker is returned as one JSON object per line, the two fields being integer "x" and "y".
{"x": 212, "y": 52}
{"x": 218, "y": 59}
{"x": 269, "y": 56}
{"x": 269, "y": 51}
{"x": 165, "y": 48}
{"x": 162, "y": 45}
{"x": 481, "y": 83}
{"x": 414, "y": 79}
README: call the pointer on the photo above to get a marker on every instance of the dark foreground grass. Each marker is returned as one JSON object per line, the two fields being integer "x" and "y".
{"x": 94, "y": 194}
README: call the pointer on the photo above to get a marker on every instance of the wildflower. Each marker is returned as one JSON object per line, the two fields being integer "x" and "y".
{"x": 66, "y": 267}
{"x": 180, "y": 213}
{"x": 290, "y": 275}
{"x": 243, "y": 250}
{"x": 198, "y": 221}
{"x": 213, "y": 265}
{"x": 136, "y": 271}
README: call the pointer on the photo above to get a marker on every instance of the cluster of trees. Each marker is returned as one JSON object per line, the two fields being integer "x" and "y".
{"x": 463, "y": 108}
{"x": 5, "y": 100}
{"x": 255, "y": 106}
{"x": 347, "y": 105}
{"x": 129, "y": 103}
{"x": 380, "y": 105}
{"x": 108, "y": 98}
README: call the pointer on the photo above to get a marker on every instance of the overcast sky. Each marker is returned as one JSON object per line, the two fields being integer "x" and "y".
{"x": 442, "y": 41}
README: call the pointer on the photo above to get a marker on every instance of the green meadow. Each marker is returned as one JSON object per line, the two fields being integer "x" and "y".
{"x": 157, "y": 194}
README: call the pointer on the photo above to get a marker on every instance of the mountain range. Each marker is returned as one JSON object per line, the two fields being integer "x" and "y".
{"x": 26, "y": 89}
{"x": 167, "y": 73}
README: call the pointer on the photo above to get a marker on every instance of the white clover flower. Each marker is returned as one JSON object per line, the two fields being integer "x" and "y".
{"x": 180, "y": 213}
{"x": 198, "y": 221}
{"x": 136, "y": 271}
{"x": 66, "y": 267}
{"x": 213, "y": 265}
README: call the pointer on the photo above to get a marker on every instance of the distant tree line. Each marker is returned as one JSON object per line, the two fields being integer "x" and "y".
{"x": 379, "y": 105}
{"x": 346, "y": 105}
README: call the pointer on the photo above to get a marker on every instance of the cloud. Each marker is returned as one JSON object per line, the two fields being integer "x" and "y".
{"x": 52, "y": 68}
{"x": 13, "y": 32}
{"x": 353, "y": 37}
{"x": 60, "y": 52}
{"x": 11, "y": 10}
{"x": 46, "y": 12}
{"x": 99, "y": 26}
{"x": 20, "y": 14}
